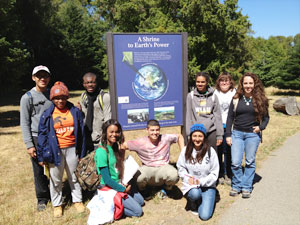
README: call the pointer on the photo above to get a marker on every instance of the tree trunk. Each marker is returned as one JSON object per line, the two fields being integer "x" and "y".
{"x": 287, "y": 105}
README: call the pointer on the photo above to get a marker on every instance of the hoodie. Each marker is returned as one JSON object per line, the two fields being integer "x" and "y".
{"x": 205, "y": 109}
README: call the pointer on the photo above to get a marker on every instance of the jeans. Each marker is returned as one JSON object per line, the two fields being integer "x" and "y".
{"x": 225, "y": 166}
{"x": 248, "y": 143}
{"x": 207, "y": 197}
{"x": 41, "y": 182}
{"x": 133, "y": 205}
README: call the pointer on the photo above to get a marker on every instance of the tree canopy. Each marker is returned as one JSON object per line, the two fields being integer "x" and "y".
{"x": 68, "y": 36}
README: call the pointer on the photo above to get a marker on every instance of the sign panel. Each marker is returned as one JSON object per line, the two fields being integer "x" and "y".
{"x": 148, "y": 79}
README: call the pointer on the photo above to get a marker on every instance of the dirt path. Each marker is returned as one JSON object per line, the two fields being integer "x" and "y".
{"x": 276, "y": 197}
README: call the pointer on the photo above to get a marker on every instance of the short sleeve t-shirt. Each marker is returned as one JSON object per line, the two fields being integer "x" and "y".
{"x": 101, "y": 161}
{"x": 224, "y": 102}
{"x": 64, "y": 127}
{"x": 150, "y": 154}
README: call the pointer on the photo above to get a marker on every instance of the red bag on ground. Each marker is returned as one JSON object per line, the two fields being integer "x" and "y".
{"x": 119, "y": 208}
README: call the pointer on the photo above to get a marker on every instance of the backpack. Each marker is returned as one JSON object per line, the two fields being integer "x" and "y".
{"x": 100, "y": 98}
{"x": 86, "y": 172}
{"x": 32, "y": 109}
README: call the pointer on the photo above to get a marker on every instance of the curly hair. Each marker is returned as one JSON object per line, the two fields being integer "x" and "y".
{"x": 119, "y": 154}
{"x": 200, "y": 154}
{"x": 259, "y": 99}
{"x": 224, "y": 76}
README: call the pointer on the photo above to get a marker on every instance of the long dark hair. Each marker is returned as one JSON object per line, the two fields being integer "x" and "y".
{"x": 119, "y": 154}
{"x": 259, "y": 99}
{"x": 200, "y": 154}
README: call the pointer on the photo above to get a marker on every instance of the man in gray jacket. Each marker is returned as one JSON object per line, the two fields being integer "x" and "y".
{"x": 95, "y": 104}
{"x": 33, "y": 104}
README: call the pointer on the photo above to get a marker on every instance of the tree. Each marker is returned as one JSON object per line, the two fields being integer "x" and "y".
{"x": 63, "y": 36}
{"x": 39, "y": 35}
{"x": 81, "y": 44}
{"x": 268, "y": 56}
{"x": 13, "y": 53}
{"x": 217, "y": 33}
{"x": 68, "y": 36}
{"x": 289, "y": 75}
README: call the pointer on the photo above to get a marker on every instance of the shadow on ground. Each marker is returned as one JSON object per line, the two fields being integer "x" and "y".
{"x": 10, "y": 118}
{"x": 67, "y": 199}
{"x": 257, "y": 178}
{"x": 13, "y": 99}
{"x": 287, "y": 93}
{"x": 9, "y": 133}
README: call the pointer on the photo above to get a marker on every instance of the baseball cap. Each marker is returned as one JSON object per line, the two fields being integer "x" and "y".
{"x": 40, "y": 68}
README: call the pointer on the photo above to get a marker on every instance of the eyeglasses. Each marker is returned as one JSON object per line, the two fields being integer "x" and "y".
{"x": 225, "y": 81}
{"x": 41, "y": 76}
{"x": 90, "y": 82}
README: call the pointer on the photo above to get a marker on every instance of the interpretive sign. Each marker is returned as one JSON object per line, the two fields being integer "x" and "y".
{"x": 148, "y": 76}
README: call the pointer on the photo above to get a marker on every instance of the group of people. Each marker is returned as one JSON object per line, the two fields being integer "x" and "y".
{"x": 233, "y": 120}
{"x": 57, "y": 134}
{"x": 221, "y": 123}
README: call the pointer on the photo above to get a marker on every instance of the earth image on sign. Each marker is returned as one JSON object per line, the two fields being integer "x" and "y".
{"x": 150, "y": 82}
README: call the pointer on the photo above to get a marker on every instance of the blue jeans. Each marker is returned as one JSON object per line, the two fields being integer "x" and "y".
{"x": 207, "y": 197}
{"x": 133, "y": 205}
{"x": 248, "y": 143}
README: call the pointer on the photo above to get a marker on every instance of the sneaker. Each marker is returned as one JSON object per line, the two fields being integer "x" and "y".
{"x": 147, "y": 194}
{"x": 192, "y": 206}
{"x": 41, "y": 207}
{"x": 79, "y": 207}
{"x": 57, "y": 212}
{"x": 162, "y": 194}
{"x": 227, "y": 180}
{"x": 246, "y": 194}
{"x": 233, "y": 192}
{"x": 174, "y": 192}
{"x": 221, "y": 180}
{"x": 194, "y": 213}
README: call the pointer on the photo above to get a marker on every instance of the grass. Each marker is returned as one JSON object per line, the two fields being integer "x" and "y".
{"x": 17, "y": 197}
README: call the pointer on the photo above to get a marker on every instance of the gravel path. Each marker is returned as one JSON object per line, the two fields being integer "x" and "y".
{"x": 275, "y": 199}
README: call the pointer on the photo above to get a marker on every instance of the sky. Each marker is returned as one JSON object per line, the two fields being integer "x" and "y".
{"x": 272, "y": 17}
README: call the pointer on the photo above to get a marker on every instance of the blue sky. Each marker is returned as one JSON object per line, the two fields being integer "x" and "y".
{"x": 272, "y": 17}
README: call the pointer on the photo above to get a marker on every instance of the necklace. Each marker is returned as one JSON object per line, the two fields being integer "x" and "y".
{"x": 247, "y": 101}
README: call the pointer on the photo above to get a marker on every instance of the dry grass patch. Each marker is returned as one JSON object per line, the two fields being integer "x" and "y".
{"x": 17, "y": 197}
